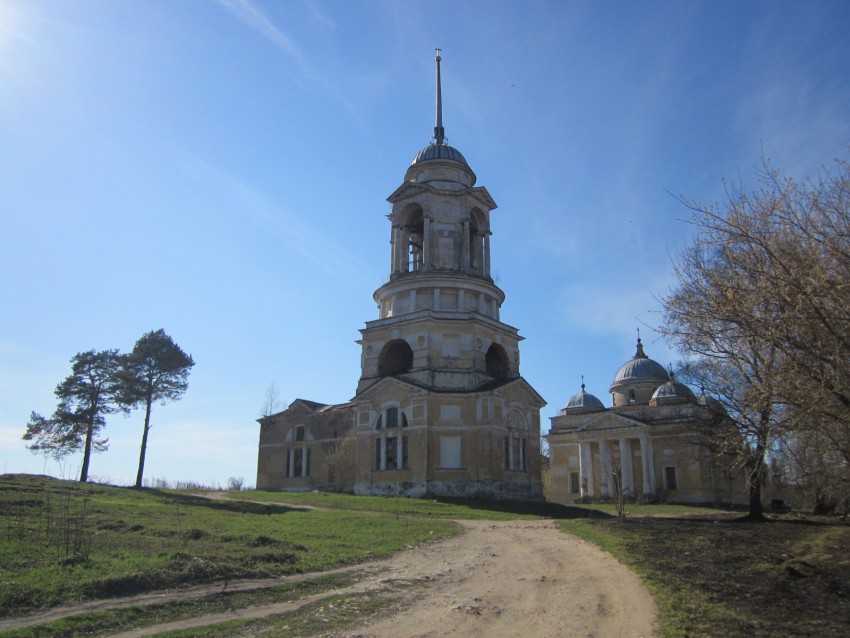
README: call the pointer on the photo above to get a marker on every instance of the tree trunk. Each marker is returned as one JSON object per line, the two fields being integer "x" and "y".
{"x": 84, "y": 471}
{"x": 756, "y": 511}
{"x": 141, "y": 471}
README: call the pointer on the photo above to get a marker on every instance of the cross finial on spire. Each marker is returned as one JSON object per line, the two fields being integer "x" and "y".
{"x": 640, "y": 353}
{"x": 439, "y": 132}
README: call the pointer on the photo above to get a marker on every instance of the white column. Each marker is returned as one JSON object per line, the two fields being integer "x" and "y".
{"x": 486, "y": 265}
{"x": 627, "y": 483}
{"x": 303, "y": 461}
{"x": 604, "y": 467}
{"x": 426, "y": 244}
{"x": 291, "y": 468}
{"x": 585, "y": 469}
{"x": 399, "y": 452}
{"x": 648, "y": 463}
{"x": 464, "y": 250}
{"x": 393, "y": 250}
{"x": 383, "y": 453}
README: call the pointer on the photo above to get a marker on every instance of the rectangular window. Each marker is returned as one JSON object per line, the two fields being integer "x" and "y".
{"x": 390, "y": 442}
{"x": 574, "y": 484}
{"x": 404, "y": 452}
{"x": 450, "y": 412}
{"x": 299, "y": 433}
{"x": 392, "y": 418}
{"x": 299, "y": 462}
{"x": 670, "y": 478}
{"x": 451, "y": 346}
{"x": 523, "y": 462}
{"x": 450, "y": 452}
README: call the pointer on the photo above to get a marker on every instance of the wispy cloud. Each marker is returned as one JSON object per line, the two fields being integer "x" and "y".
{"x": 293, "y": 230}
{"x": 254, "y": 18}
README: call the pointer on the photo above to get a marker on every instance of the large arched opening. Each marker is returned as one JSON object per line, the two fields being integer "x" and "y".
{"x": 396, "y": 358}
{"x": 497, "y": 363}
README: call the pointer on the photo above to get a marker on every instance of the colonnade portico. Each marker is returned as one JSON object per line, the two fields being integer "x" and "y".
{"x": 604, "y": 457}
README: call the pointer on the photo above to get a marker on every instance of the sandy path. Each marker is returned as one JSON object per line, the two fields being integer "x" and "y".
{"x": 515, "y": 578}
{"x": 501, "y": 579}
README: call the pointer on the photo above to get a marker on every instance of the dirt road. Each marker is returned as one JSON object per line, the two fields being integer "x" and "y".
{"x": 517, "y": 578}
{"x": 499, "y": 579}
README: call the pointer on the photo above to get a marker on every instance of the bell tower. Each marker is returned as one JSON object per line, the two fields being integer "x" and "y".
{"x": 438, "y": 315}
{"x": 441, "y": 408}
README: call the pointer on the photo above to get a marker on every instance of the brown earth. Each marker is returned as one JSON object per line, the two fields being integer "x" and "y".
{"x": 496, "y": 579}
{"x": 517, "y": 578}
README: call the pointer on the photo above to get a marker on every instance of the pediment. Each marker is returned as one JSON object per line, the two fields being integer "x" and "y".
{"x": 303, "y": 405}
{"x": 410, "y": 190}
{"x": 407, "y": 190}
{"x": 382, "y": 385}
{"x": 483, "y": 196}
{"x": 506, "y": 388}
{"x": 524, "y": 386}
{"x": 605, "y": 421}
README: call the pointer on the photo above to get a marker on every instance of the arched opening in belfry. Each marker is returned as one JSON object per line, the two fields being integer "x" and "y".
{"x": 396, "y": 358}
{"x": 496, "y": 360}
{"x": 476, "y": 241}
{"x": 415, "y": 232}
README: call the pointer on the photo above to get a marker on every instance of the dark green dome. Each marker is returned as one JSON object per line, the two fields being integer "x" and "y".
{"x": 439, "y": 152}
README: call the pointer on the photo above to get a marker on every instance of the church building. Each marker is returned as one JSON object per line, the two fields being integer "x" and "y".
{"x": 440, "y": 408}
{"x": 650, "y": 445}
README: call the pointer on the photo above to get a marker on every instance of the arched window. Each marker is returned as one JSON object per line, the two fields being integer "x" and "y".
{"x": 298, "y": 453}
{"x": 391, "y": 447}
{"x": 396, "y": 358}
{"x": 496, "y": 360}
{"x": 391, "y": 418}
{"x": 415, "y": 231}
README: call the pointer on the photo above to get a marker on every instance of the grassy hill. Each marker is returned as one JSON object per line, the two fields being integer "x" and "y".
{"x": 64, "y": 542}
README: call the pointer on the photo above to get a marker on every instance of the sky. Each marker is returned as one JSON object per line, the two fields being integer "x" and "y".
{"x": 220, "y": 169}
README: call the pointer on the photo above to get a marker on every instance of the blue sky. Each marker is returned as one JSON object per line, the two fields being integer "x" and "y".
{"x": 220, "y": 168}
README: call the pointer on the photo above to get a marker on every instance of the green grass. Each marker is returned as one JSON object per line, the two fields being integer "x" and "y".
{"x": 314, "y": 619}
{"x": 136, "y": 616}
{"x": 735, "y": 579}
{"x": 465, "y": 509}
{"x": 652, "y": 509}
{"x": 62, "y": 541}
{"x": 65, "y": 541}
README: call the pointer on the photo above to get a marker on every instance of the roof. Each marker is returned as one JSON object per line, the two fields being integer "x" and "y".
{"x": 435, "y": 151}
{"x": 584, "y": 400}
{"x": 640, "y": 368}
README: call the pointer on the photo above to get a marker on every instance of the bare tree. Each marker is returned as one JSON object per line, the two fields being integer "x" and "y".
{"x": 742, "y": 381}
{"x": 271, "y": 401}
{"x": 340, "y": 459}
{"x": 761, "y": 307}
